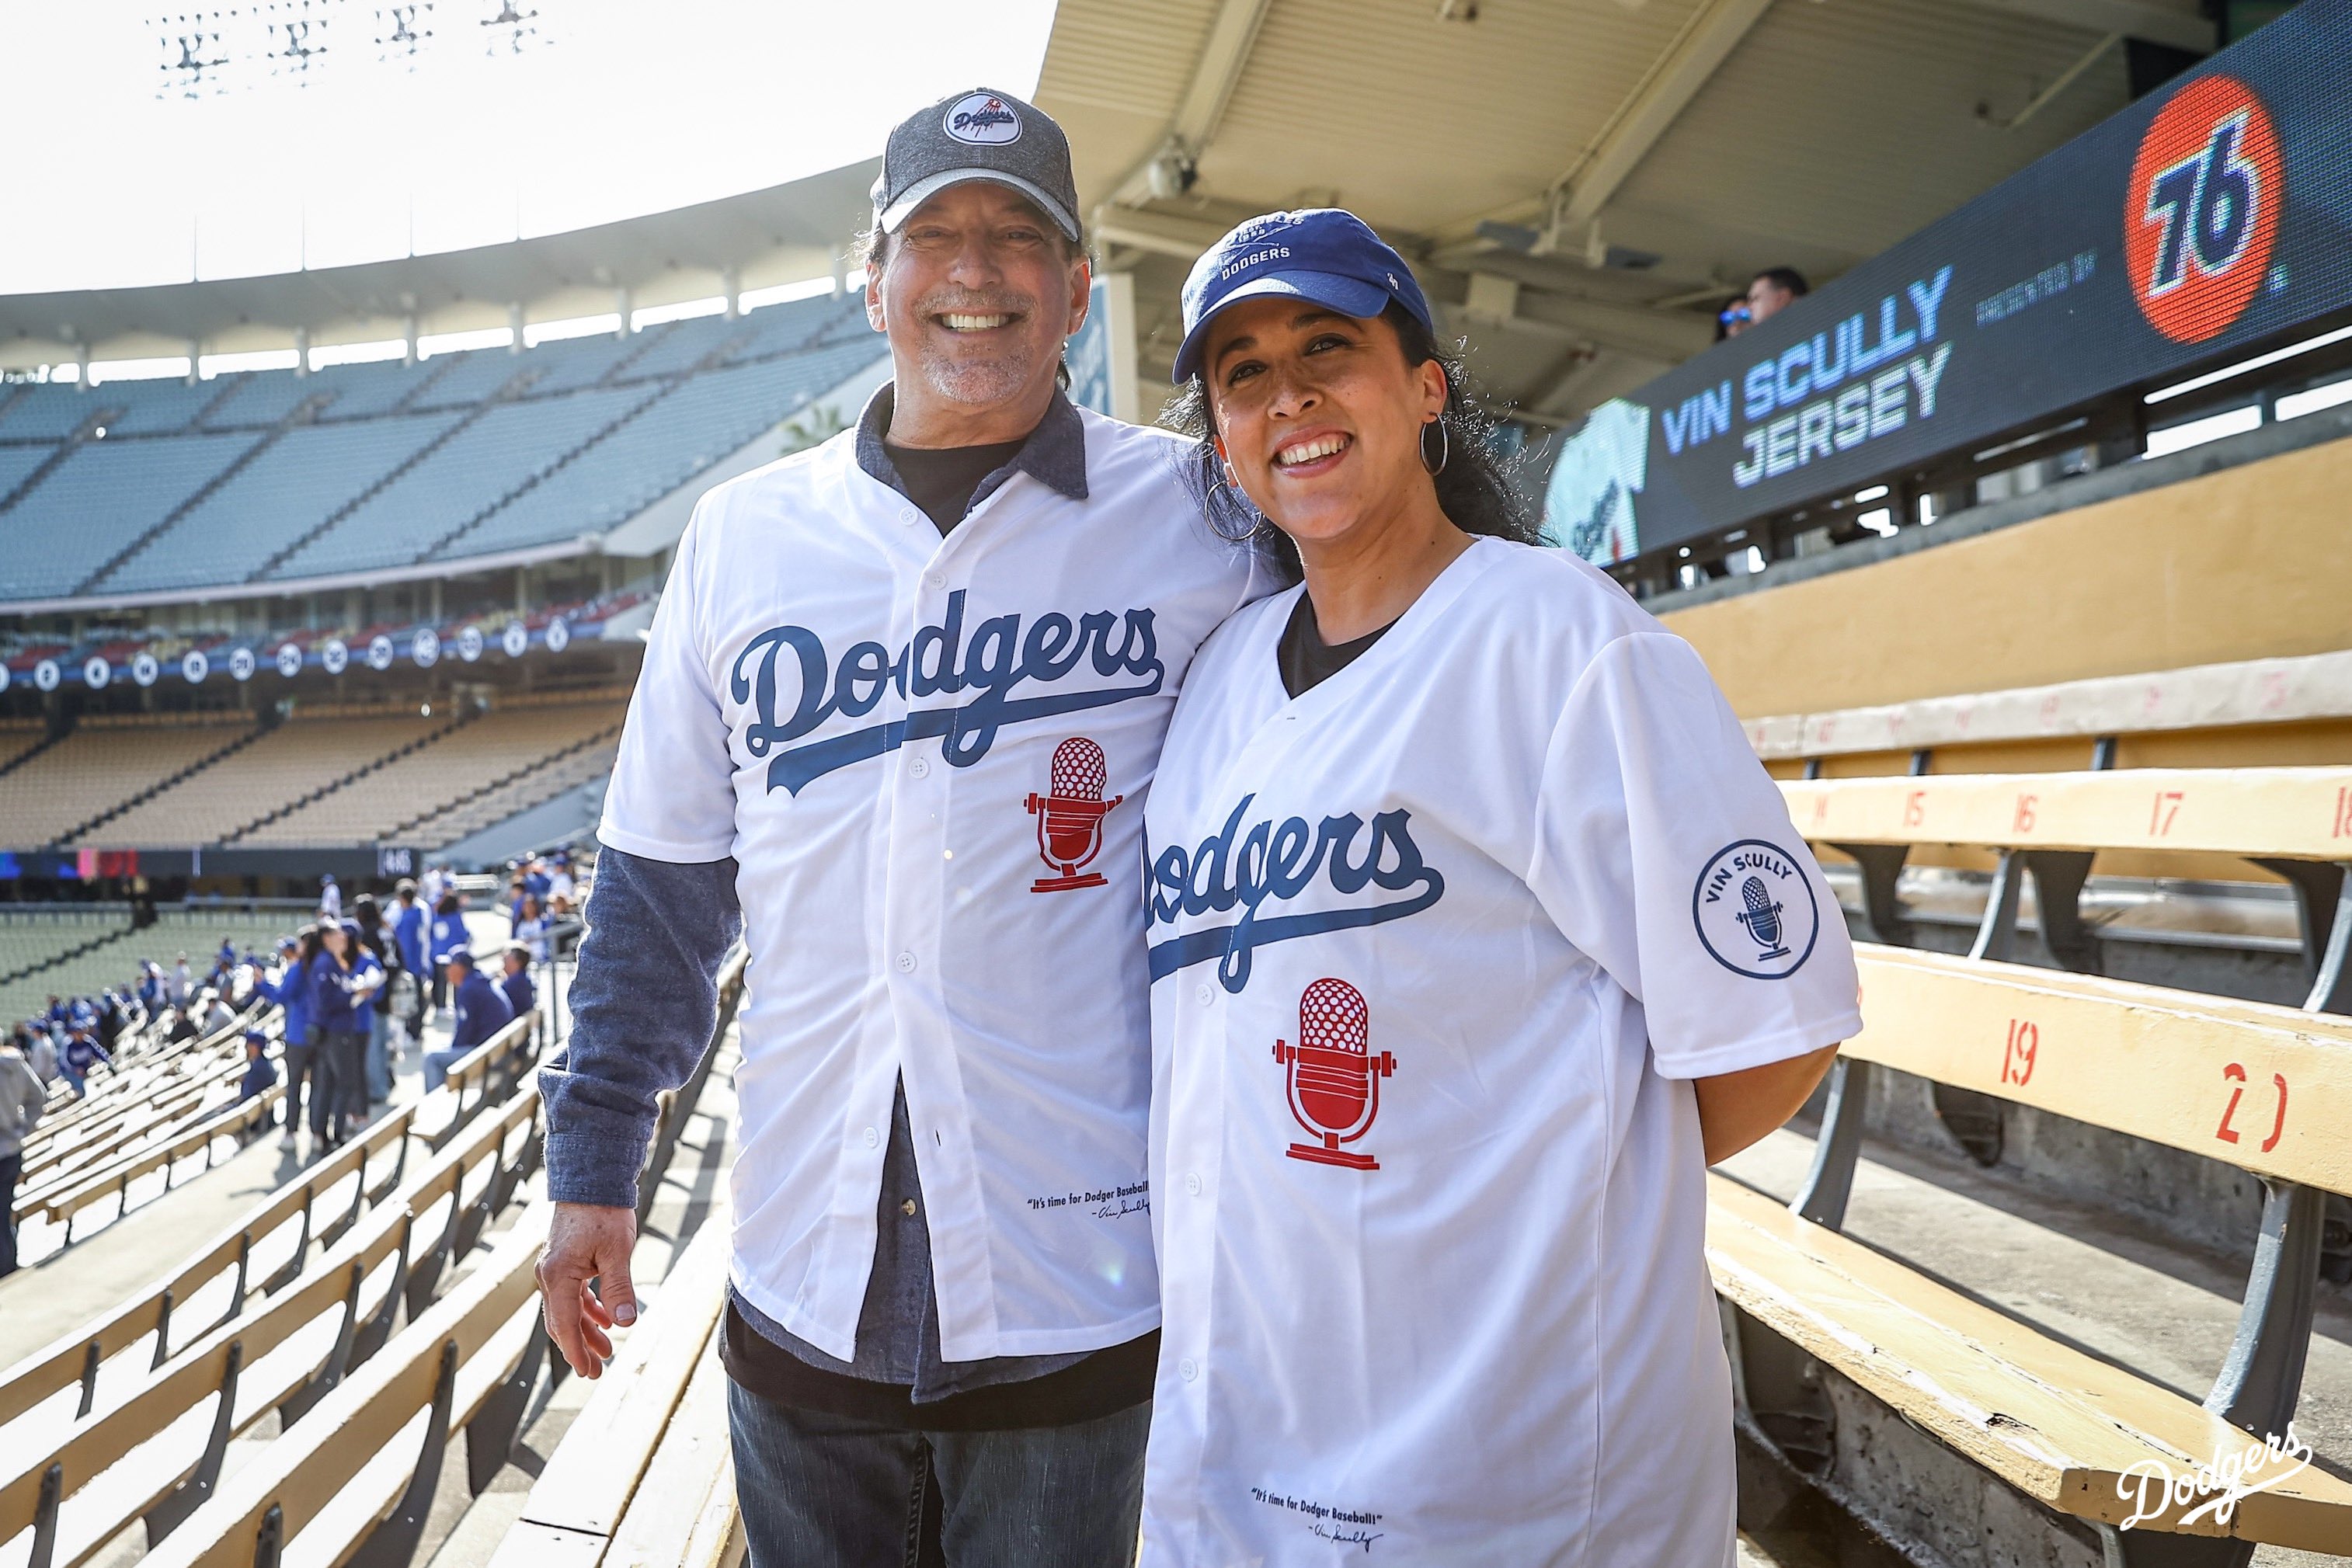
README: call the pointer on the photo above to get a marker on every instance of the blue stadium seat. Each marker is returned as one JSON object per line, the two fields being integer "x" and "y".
{"x": 17, "y": 465}
{"x": 573, "y": 362}
{"x": 47, "y": 413}
{"x": 99, "y": 499}
{"x": 479, "y": 374}
{"x": 289, "y": 489}
{"x": 157, "y": 407}
{"x": 261, "y": 399}
{"x": 705, "y": 419}
{"x": 481, "y": 465}
{"x": 362, "y": 392}
{"x": 680, "y": 346}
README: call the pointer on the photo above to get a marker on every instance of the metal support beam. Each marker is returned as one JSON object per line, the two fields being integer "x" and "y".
{"x": 1714, "y": 30}
{"x": 1232, "y": 32}
{"x": 2180, "y": 25}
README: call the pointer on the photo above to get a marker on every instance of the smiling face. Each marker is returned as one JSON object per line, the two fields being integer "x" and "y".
{"x": 1319, "y": 416}
{"x": 977, "y": 291}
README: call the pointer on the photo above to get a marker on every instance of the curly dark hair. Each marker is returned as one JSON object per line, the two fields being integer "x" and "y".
{"x": 1474, "y": 488}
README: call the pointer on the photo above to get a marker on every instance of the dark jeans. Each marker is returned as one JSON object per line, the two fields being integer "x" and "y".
{"x": 827, "y": 1491}
{"x": 10, "y": 1167}
{"x": 343, "y": 1084}
{"x": 302, "y": 1070}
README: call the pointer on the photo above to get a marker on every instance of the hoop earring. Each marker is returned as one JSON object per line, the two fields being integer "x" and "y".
{"x": 1444, "y": 448}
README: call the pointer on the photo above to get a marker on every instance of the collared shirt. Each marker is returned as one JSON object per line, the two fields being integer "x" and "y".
{"x": 927, "y": 756}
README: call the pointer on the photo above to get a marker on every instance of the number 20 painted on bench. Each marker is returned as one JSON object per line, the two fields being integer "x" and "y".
{"x": 2229, "y": 1134}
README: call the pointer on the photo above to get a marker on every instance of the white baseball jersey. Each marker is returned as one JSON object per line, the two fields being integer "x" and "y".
{"x": 929, "y": 760}
{"x": 1435, "y": 947}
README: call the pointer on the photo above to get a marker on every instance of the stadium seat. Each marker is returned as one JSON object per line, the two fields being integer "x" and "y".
{"x": 103, "y": 764}
{"x": 100, "y": 499}
{"x": 2266, "y": 1089}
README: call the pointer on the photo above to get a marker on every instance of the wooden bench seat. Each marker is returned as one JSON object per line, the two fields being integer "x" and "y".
{"x": 640, "y": 1463}
{"x": 2267, "y": 1088}
{"x": 2060, "y": 1426}
{"x": 75, "y": 1493}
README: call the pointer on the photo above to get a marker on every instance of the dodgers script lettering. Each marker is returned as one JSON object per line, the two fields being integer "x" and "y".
{"x": 938, "y": 662}
{"x": 1233, "y": 867}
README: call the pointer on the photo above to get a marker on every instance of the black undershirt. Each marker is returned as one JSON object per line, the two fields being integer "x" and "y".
{"x": 940, "y": 479}
{"x": 1306, "y": 660}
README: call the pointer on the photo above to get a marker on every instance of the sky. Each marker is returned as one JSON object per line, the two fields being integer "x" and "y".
{"x": 236, "y": 138}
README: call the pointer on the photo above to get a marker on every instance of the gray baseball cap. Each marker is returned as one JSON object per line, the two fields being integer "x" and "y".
{"x": 977, "y": 135}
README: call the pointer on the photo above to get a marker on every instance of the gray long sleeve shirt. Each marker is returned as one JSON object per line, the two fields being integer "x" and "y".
{"x": 22, "y": 1097}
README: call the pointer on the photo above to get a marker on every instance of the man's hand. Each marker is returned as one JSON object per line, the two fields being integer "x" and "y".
{"x": 584, "y": 1242}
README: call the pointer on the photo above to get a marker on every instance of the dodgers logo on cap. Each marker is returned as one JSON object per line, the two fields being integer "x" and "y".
{"x": 1755, "y": 910}
{"x": 982, "y": 119}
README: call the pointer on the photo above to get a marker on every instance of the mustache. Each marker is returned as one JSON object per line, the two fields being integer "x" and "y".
{"x": 975, "y": 302}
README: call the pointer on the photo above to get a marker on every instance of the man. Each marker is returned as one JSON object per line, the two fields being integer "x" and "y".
{"x": 408, "y": 924}
{"x": 1773, "y": 291}
{"x": 330, "y": 901}
{"x": 479, "y": 1010}
{"x": 260, "y": 1072}
{"x": 81, "y": 1056}
{"x": 515, "y": 984}
{"x": 866, "y": 658}
{"x": 21, "y": 1099}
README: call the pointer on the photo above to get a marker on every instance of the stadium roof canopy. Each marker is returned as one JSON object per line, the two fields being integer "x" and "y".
{"x": 785, "y": 234}
{"x": 1582, "y": 180}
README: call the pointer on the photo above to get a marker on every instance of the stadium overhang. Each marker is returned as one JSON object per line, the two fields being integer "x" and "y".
{"x": 759, "y": 240}
{"x": 1581, "y": 183}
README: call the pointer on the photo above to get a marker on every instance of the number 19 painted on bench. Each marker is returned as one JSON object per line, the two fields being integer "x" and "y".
{"x": 2017, "y": 1055}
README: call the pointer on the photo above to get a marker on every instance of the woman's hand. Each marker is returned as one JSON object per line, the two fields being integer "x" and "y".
{"x": 1735, "y": 1109}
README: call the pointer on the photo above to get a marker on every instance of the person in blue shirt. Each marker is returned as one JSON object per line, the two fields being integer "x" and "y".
{"x": 260, "y": 1072}
{"x": 81, "y": 1053}
{"x": 515, "y": 984}
{"x": 344, "y": 978}
{"x": 291, "y": 991}
{"x": 481, "y": 1012}
{"x": 446, "y": 935}
{"x": 408, "y": 929}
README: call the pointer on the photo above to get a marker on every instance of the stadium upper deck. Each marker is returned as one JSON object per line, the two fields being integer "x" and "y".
{"x": 157, "y": 487}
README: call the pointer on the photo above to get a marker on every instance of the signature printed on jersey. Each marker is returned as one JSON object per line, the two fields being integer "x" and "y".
{"x": 1347, "y": 1527}
{"x": 1280, "y": 862}
{"x": 1108, "y": 1203}
{"x": 938, "y": 660}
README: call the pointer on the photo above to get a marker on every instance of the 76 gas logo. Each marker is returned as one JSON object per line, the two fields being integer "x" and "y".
{"x": 2202, "y": 209}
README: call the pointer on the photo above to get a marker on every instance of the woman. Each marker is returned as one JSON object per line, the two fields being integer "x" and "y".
{"x": 531, "y": 929}
{"x": 344, "y": 981}
{"x": 1477, "y": 933}
{"x": 291, "y": 991}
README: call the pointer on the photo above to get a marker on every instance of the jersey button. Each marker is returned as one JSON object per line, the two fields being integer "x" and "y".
{"x": 920, "y": 767}
{"x": 905, "y": 963}
{"x": 1188, "y": 1369}
{"x": 1193, "y": 1183}
{"x": 871, "y": 1137}
{"x": 906, "y": 514}
{"x": 1204, "y": 994}
{"x": 936, "y": 578}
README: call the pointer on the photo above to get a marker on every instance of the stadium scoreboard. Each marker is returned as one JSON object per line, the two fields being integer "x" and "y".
{"x": 2211, "y": 215}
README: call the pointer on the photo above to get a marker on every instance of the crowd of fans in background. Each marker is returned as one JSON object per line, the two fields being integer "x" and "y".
{"x": 357, "y": 991}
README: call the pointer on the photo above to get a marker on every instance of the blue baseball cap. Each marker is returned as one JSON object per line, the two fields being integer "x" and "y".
{"x": 1322, "y": 255}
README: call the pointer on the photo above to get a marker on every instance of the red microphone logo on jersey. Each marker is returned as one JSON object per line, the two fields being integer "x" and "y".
{"x": 1070, "y": 818}
{"x": 2202, "y": 208}
{"x": 1335, "y": 1081}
